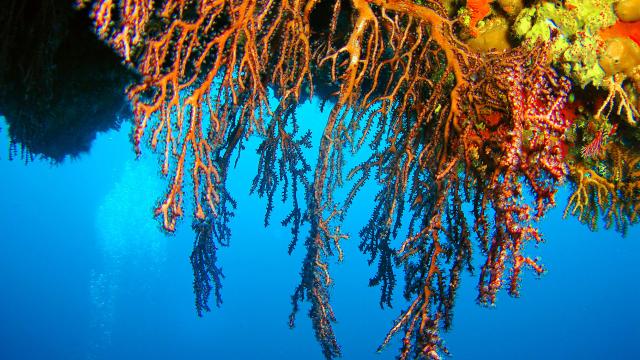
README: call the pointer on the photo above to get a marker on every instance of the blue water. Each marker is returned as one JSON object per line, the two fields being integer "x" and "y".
{"x": 85, "y": 273}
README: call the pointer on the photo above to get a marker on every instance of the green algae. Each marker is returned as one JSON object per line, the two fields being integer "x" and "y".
{"x": 572, "y": 30}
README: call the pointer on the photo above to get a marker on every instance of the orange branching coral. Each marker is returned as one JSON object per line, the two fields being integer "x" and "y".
{"x": 188, "y": 46}
{"x": 608, "y": 190}
{"x": 134, "y": 15}
{"x": 206, "y": 68}
{"x": 446, "y": 125}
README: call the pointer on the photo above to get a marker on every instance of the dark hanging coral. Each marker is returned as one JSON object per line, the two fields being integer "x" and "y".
{"x": 207, "y": 274}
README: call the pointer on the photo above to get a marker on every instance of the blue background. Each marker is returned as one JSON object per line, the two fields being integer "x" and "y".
{"x": 86, "y": 273}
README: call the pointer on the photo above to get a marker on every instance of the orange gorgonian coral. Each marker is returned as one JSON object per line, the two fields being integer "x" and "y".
{"x": 447, "y": 126}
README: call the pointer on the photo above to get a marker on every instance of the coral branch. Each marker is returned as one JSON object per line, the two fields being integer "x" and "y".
{"x": 609, "y": 190}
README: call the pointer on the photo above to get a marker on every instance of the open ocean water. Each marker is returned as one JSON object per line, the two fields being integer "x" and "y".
{"x": 86, "y": 273}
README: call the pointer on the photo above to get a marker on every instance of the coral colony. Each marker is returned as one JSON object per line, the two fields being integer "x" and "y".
{"x": 482, "y": 105}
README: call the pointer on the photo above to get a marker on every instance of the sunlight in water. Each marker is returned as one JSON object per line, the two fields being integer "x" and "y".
{"x": 128, "y": 238}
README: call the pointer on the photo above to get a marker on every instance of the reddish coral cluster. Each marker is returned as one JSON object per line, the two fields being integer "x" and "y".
{"x": 531, "y": 155}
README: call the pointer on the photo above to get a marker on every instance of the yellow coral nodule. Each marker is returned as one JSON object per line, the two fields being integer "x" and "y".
{"x": 628, "y": 10}
{"x": 493, "y": 34}
{"x": 620, "y": 55}
{"x": 511, "y": 7}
